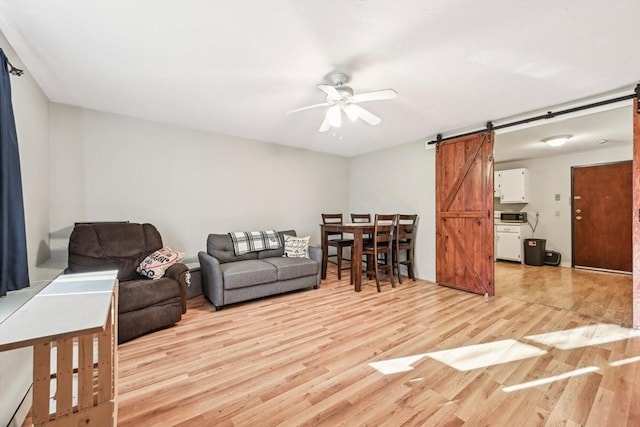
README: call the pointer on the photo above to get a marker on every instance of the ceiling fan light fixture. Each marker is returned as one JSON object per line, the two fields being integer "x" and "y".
{"x": 352, "y": 112}
{"x": 334, "y": 116}
{"x": 556, "y": 141}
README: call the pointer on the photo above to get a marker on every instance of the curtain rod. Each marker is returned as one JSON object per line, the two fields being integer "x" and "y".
{"x": 550, "y": 114}
{"x": 13, "y": 70}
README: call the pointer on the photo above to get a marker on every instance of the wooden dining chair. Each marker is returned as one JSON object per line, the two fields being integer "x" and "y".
{"x": 405, "y": 242}
{"x": 366, "y": 238}
{"x": 379, "y": 252}
{"x": 338, "y": 241}
{"x": 360, "y": 219}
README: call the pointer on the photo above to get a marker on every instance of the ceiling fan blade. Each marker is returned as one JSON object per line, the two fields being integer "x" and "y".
{"x": 377, "y": 95}
{"x": 324, "y": 104}
{"x": 326, "y": 124}
{"x": 365, "y": 115}
{"x": 330, "y": 91}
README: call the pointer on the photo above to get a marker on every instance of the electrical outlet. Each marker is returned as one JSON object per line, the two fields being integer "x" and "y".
{"x": 557, "y": 213}
{"x": 557, "y": 198}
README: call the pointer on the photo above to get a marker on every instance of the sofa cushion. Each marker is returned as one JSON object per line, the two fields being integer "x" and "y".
{"x": 292, "y": 268}
{"x": 111, "y": 246}
{"x": 220, "y": 246}
{"x": 248, "y": 273}
{"x": 137, "y": 294}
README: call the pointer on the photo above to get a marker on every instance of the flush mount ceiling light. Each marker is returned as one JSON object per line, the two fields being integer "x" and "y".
{"x": 556, "y": 141}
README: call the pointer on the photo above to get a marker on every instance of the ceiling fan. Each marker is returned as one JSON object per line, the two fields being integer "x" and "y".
{"x": 340, "y": 98}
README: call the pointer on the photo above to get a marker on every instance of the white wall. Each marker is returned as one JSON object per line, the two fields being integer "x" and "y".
{"x": 550, "y": 176}
{"x": 187, "y": 183}
{"x": 399, "y": 180}
{"x": 31, "y": 111}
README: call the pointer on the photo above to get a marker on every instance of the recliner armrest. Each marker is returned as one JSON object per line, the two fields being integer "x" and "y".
{"x": 179, "y": 272}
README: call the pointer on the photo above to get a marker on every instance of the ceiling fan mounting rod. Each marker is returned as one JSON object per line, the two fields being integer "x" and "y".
{"x": 339, "y": 79}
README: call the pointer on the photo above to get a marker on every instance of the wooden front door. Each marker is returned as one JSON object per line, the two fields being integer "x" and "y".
{"x": 602, "y": 211}
{"x": 464, "y": 213}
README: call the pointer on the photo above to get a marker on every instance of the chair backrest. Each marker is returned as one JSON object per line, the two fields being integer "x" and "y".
{"x": 362, "y": 218}
{"x": 406, "y": 230}
{"x": 383, "y": 229}
{"x": 332, "y": 219}
{"x": 111, "y": 246}
{"x": 356, "y": 218}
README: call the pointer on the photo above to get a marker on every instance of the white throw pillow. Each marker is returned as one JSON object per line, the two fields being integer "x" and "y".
{"x": 296, "y": 247}
{"x": 158, "y": 262}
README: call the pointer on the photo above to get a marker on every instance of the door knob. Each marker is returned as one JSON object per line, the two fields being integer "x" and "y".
{"x": 578, "y": 211}
{"x": 578, "y": 218}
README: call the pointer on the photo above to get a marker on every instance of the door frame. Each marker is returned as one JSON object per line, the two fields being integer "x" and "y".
{"x": 635, "y": 232}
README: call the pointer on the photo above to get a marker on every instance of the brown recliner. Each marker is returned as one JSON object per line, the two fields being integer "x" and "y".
{"x": 144, "y": 305}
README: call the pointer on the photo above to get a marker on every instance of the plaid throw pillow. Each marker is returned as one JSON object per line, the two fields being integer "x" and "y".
{"x": 254, "y": 241}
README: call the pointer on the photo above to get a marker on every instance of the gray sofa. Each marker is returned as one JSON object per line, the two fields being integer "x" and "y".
{"x": 227, "y": 278}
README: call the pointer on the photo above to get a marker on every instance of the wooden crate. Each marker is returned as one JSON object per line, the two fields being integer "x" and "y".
{"x": 75, "y": 350}
{"x": 84, "y": 380}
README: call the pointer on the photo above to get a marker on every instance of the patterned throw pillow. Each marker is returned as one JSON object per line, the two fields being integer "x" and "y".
{"x": 296, "y": 247}
{"x": 158, "y": 262}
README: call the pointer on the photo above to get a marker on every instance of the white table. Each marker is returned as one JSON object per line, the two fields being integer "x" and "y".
{"x": 73, "y": 311}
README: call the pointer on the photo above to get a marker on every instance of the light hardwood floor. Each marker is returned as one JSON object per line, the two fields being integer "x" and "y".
{"x": 416, "y": 355}
{"x": 603, "y": 295}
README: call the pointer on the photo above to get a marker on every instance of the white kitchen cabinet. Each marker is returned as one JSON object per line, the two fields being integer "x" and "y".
{"x": 514, "y": 186}
{"x": 509, "y": 241}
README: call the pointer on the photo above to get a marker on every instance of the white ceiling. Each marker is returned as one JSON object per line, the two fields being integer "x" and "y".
{"x": 236, "y": 67}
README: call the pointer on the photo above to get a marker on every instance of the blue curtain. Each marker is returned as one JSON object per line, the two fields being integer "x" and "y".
{"x": 14, "y": 272}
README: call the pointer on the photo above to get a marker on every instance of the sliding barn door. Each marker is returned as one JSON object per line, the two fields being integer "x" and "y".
{"x": 464, "y": 213}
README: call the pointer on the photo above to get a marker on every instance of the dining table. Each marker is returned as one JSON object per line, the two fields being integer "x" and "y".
{"x": 358, "y": 230}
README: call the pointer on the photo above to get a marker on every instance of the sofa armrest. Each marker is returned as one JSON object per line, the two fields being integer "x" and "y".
{"x": 180, "y": 273}
{"x": 315, "y": 253}
{"x": 212, "y": 281}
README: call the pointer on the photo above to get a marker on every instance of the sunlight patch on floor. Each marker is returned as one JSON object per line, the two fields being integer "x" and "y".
{"x": 488, "y": 354}
{"x": 625, "y": 361}
{"x": 493, "y": 353}
{"x": 394, "y": 366}
{"x": 548, "y": 380}
{"x": 584, "y": 336}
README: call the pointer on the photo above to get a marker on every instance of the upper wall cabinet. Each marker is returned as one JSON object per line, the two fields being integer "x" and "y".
{"x": 512, "y": 185}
